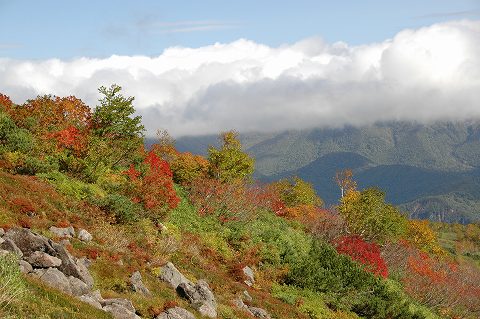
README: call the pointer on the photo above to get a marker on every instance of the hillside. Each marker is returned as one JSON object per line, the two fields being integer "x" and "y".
{"x": 431, "y": 168}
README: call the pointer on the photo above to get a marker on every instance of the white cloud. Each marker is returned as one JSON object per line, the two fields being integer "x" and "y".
{"x": 428, "y": 74}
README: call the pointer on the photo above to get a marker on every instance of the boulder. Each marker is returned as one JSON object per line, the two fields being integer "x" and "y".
{"x": 91, "y": 301}
{"x": 172, "y": 276}
{"x": 72, "y": 267}
{"x": 247, "y": 296}
{"x": 2, "y": 232}
{"x": 84, "y": 235}
{"x": 29, "y": 242}
{"x": 40, "y": 259}
{"x": 259, "y": 313}
{"x": 9, "y": 245}
{"x": 176, "y": 313}
{"x": 200, "y": 296}
{"x": 64, "y": 232}
{"x": 120, "y": 308}
{"x": 78, "y": 287}
{"x": 25, "y": 267}
{"x": 54, "y": 278}
{"x": 248, "y": 272}
{"x": 138, "y": 285}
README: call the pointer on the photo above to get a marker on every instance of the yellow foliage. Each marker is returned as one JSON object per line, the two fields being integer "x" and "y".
{"x": 423, "y": 237}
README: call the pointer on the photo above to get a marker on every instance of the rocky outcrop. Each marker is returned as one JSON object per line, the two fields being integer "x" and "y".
{"x": 199, "y": 295}
{"x": 56, "y": 267}
{"x": 138, "y": 285}
{"x": 176, "y": 313}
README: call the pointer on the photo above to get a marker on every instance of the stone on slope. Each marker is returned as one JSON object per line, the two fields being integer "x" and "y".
{"x": 200, "y": 296}
{"x": 78, "y": 287}
{"x": 64, "y": 232}
{"x": 84, "y": 235}
{"x": 9, "y": 245}
{"x": 176, "y": 313}
{"x": 248, "y": 272}
{"x": 120, "y": 308}
{"x": 2, "y": 232}
{"x": 138, "y": 285}
{"x": 40, "y": 259}
{"x": 53, "y": 278}
{"x": 29, "y": 242}
{"x": 172, "y": 276}
{"x": 25, "y": 267}
{"x": 70, "y": 266}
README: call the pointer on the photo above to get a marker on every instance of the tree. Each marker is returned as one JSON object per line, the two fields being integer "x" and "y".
{"x": 344, "y": 179}
{"x": 368, "y": 216}
{"x": 187, "y": 167}
{"x": 113, "y": 117}
{"x": 295, "y": 192}
{"x": 229, "y": 162}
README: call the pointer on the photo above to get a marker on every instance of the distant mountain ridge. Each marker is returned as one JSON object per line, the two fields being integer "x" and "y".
{"x": 432, "y": 170}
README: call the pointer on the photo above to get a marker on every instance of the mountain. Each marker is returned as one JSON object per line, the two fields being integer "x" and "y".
{"x": 430, "y": 170}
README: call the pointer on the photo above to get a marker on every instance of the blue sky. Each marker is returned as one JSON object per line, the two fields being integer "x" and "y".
{"x": 68, "y": 29}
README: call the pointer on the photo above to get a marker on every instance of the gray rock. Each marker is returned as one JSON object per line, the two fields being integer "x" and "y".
{"x": 4, "y": 252}
{"x": 91, "y": 301}
{"x": 64, "y": 242}
{"x": 248, "y": 272}
{"x": 53, "y": 278}
{"x": 120, "y": 308}
{"x": 138, "y": 285}
{"x": 78, "y": 287}
{"x": 2, "y": 232}
{"x": 172, "y": 276}
{"x": 25, "y": 267}
{"x": 247, "y": 296}
{"x": 70, "y": 266}
{"x": 40, "y": 259}
{"x": 120, "y": 312}
{"x": 29, "y": 242}
{"x": 200, "y": 297}
{"x": 176, "y": 313}
{"x": 84, "y": 235}
{"x": 9, "y": 245}
{"x": 65, "y": 232}
{"x": 259, "y": 313}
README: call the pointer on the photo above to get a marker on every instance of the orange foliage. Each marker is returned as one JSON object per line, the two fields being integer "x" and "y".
{"x": 186, "y": 167}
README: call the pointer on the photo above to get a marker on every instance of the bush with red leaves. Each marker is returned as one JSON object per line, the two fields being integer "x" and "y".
{"x": 365, "y": 253}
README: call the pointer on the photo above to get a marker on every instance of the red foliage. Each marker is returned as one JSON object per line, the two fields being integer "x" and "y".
{"x": 367, "y": 254}
{"x": 70, "y": 138}
{"x": 154, "y": 188}
{"x": 5, "y": 103}
{"x": 23, "y": 205}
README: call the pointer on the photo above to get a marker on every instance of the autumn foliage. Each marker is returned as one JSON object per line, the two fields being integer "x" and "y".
{"x": 368, "y": 254}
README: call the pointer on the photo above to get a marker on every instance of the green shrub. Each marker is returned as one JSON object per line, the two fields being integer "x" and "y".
{"x": 73, "y": 187}
{"x": 12, "y": 285}
{"x": 347, "y": 286}
{"x": 124, "y": 210}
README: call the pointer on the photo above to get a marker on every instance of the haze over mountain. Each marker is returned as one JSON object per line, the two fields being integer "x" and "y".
{"x": 433, "y": 171}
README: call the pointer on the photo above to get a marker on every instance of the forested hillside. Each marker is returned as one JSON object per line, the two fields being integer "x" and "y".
{"x": 430, "y": 170}
{"x": 93, "y": 224}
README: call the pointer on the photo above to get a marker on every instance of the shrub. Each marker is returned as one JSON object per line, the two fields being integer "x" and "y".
{"x": 368, "y": 254}
{"x": 124, "y": 210}
{"x": 72, "y": 187}
{"x": 12, "y": 285}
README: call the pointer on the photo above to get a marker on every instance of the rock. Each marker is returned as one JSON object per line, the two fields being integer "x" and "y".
{"x": 72, "y": 267}
{"x": 176, "y": 313}
{"x": 259, "y": 313}
{"x": 78, "y": 287}
{"x": 85, "y": 261}
{"x": 172, "y": 276}
{"x": 2, "y": 240}
{"x": 247, "y": 296}
{"x": 65, "y": 242}
{"x": 10, "y": 246}
{"x": 91, "y": 301}
{"x": 4, "y": 253}
{"x": 25, "y": 267}
{"x": 40, "y": 259}
{"x": 53, "y": 278}
{"x": 138, "y": 285}
{"x": 163, "y": 229}
{"x": 120, "y": 308}
{"x": 2, "y": 232}
{"x": 84, "y": 235}
{"x": 65, "y": 232}
{"x": 248, "y": 272}
{"x": 200, "y": 296}
{"x": 29, "y": 242}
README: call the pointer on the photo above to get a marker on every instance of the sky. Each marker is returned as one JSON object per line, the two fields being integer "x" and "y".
{"x": 200, "y": 67}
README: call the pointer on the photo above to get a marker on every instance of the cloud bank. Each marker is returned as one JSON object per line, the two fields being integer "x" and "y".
{"x": 427, "y": 74}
